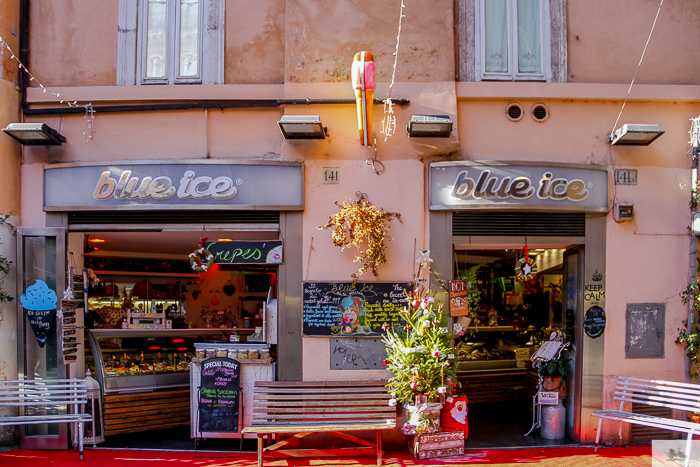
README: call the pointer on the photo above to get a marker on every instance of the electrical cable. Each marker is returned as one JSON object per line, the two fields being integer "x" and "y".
{"x": 637, "y": 70}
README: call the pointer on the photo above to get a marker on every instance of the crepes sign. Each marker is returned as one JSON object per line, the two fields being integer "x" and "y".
{"x": 455, "y": 185}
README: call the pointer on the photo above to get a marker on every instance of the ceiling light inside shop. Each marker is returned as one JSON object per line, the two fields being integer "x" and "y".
{"x": 96, "y": 240}
{"x": 177, "y": 341}
{"x": 632, "y": 134}
{"x": 224, "y": 240}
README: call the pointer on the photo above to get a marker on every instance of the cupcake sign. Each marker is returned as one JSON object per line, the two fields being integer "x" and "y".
{"x": 39, "y": 303}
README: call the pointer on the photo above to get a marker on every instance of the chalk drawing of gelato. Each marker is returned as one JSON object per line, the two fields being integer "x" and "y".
{"x": 39, "y": 303}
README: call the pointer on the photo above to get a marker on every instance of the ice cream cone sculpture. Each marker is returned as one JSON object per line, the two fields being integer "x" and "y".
{"x": 364, "y": 83}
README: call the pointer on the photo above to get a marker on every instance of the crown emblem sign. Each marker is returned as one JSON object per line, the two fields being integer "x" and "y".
{"x": 597, "y": 277}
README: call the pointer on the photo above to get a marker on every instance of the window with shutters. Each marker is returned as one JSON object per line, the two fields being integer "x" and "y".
{"x": 512, "y": 40}
{"x": 170, "y": 41}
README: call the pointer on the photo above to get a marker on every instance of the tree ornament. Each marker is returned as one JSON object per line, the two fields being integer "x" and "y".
{"x": 358, "y": 222}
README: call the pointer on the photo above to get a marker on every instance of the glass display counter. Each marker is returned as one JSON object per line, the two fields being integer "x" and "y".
{"x": 139, "y": 360}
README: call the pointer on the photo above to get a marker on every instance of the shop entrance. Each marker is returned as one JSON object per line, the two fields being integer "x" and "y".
{"x": 511, "y": 314}
{"x": 149, "y": 315}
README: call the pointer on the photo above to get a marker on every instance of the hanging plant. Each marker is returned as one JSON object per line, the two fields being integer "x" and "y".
{"x": 360, "y": 222}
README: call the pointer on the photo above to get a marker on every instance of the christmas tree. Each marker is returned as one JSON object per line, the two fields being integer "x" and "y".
{"x": 420, "y": 353}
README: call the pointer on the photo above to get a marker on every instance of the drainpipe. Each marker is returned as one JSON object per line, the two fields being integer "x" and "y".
{"x": 695, "y": 141}
{"x": 23, "y": 50}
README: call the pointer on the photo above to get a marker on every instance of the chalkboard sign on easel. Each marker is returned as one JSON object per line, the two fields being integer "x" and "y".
{"x": 342, "y": 309}
{"x": 219, "y": 395}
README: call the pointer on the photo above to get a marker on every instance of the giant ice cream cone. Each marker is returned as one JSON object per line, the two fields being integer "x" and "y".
{"x": 364, "y": 83}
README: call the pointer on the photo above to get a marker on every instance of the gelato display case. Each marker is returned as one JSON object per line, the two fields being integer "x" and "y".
{"x": 145, "y": 375}
{"x": 138, "y": 360}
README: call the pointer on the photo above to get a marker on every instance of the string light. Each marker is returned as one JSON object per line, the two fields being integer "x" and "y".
{"x": 389, "y": 121}
{"x": 21, "y": 66}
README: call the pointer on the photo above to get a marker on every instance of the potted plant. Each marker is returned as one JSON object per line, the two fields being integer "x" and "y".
{"x": 554, "y": 373}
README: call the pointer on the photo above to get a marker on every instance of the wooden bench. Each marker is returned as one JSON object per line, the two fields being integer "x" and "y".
{"x": 657, "y": 393}
{"x": 302, "y": 408}
{"x": 38, "y": 397}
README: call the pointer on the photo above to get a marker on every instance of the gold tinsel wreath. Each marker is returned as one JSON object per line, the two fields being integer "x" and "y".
{"x": 358, "y": 222}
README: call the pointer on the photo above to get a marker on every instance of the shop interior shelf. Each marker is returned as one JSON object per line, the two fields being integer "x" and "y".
{"x": 497, "y": 328}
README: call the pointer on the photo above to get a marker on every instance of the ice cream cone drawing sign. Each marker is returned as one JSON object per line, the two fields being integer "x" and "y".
{"x": 39, "y": 303}
{"x": 364, "y": 82}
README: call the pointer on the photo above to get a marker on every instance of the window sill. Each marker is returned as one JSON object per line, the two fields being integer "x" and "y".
{"x": 577, "y": 91}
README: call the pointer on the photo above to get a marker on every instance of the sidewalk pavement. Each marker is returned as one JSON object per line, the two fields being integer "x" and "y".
{"x": 547, "y": 457}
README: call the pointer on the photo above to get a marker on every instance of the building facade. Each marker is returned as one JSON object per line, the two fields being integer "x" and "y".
{"x": 204, "y": 84}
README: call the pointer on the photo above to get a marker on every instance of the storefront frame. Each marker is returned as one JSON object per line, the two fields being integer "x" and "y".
{"x": 590, "y": 371}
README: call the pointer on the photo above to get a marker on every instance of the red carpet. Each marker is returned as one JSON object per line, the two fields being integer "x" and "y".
{"x": 547, "y": 457}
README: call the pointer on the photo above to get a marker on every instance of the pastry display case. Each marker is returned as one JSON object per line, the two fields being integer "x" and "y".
{"x": 140, "y": 360}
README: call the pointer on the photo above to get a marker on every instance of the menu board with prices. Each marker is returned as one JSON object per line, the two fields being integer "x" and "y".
{"x": 344, "y": 309}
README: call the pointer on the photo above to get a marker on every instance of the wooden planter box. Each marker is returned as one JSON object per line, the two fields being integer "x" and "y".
{"x": 431, "y": 445}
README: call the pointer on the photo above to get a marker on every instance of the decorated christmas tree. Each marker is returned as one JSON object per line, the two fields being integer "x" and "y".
{"x": 420, "y": 353}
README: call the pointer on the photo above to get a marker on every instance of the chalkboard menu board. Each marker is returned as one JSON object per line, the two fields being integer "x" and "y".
{"x": 342, "y": 309}
{"x": 219, "y": 395}
{"x": 594, "y": 322}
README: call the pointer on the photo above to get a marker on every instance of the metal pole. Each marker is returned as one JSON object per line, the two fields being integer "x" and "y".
{"x": 695, "y": 141}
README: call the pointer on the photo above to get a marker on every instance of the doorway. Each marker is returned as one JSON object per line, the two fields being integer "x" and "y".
{"x": 511, "y": 316}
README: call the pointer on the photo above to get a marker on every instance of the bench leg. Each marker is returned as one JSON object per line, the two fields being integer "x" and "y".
{"x": 688, "y": 448}
{"x": 379, "y": 447}
{"x": 260, "y": 450}
{"x": 80, "y": 438}
{"x": 597, "y": 435}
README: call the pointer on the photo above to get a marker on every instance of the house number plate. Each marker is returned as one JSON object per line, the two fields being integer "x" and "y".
{"x": 330, "y": 176}
{"x": 625, "y": 177}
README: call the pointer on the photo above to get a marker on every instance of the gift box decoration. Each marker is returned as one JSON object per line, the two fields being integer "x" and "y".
{"x": 432, "y": 445}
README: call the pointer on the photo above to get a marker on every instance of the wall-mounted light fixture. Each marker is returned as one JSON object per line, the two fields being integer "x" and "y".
{"x": 632, "y": 134}
{"x": 34, "y": 134}
{"x": 302, "y": 127}
{"x": 429, "y": 126}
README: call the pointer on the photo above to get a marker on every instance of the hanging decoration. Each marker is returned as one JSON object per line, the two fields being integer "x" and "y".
{"x": 89, "y": 111}
{"x": 525, "y": 267}
{"x": 364, "y": 82}
{"x": 33, "y": 78}
{"x": 389, "y": 121}
{"x": 358, "y": 222}
{"x": 198, "y": 256}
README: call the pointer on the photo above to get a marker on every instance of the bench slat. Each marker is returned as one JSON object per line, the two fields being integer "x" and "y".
{"x": 693, "y": 387}
{"x": 656, "y": 398}
{"x": 661, "y": 393}
{"x": 656, "y": 404}
{"x": 361, "y": 390}
{"x": 320, "y": 384}
{"x": 636, "y": 387}
{"x": 317, "y": 416}
{"x": 318, "y": 428}
{"x": 336, "y": 397}
{"x": 311, "y": 410}
{"x": 36, "y": 420}
{"x": 272, "y": 403}
{"x": 648, "y": 420}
